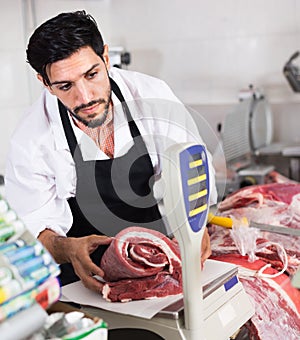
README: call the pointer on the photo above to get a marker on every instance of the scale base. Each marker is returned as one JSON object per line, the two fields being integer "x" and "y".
{"x": 226, "y": 308}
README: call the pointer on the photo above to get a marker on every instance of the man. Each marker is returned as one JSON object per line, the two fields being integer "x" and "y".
{"x": 75, "y": 136}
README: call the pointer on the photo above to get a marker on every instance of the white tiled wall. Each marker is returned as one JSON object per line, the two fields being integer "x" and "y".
{"x": 14, "y": 84}
{"x": 206, "y": 50}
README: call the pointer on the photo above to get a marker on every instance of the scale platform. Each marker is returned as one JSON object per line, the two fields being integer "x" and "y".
{"x": 226, "y": 308}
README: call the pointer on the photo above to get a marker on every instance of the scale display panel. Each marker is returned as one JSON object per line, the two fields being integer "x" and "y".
{"x": 195, "y": 185}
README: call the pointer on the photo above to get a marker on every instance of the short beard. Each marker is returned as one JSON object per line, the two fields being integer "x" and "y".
{"x": 93, "y": 123}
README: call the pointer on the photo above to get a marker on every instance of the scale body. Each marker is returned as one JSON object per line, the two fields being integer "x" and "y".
{"x": 226, "y": 308}
{"x": 214, "y": 304}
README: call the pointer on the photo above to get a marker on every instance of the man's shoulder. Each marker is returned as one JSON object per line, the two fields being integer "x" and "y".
{"x": 34, "y": 121}
{"x": 131, "y": 76}
{"x": 141, "y": 85}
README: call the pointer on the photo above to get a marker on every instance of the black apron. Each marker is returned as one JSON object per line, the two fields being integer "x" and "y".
{"x": 111, "y": 194}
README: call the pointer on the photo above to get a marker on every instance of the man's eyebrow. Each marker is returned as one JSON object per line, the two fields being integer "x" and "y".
{"x": 69, "y": 81}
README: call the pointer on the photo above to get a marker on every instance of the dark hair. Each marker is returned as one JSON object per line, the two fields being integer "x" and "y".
{"x": 60, "y": 37}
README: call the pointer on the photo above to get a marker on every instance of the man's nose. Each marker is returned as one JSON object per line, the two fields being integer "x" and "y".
{"x": 83, "y": 93}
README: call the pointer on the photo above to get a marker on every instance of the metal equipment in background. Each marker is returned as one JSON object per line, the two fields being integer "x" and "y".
{"x": 292, "y": 72}
{"x": 247, "y": 137}
{"x": 246, "y": 131}
{"x": 119, "y": 57}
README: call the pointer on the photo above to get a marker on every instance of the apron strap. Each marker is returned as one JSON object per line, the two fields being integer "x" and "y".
{"x": 132, "y": 126}
{"x": 70, "y": 135}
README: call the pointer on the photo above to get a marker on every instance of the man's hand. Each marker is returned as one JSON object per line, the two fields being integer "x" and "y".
{"x": 76, "y": 251}
{"x": 79, "y": 256}
{"x": 205, "y": 247}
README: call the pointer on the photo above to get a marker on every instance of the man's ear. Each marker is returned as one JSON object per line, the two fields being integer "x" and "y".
{"x": 106, "y": 56}
{"x": 40, "y": 78}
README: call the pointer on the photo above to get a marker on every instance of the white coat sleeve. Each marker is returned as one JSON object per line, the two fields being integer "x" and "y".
{"x": 32, "y": 191}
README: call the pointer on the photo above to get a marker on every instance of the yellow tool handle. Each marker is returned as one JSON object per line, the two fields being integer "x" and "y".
{"x": 221, "y": 221}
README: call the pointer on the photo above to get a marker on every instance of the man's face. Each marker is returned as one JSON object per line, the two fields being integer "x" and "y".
{"x": 81, "y": 83}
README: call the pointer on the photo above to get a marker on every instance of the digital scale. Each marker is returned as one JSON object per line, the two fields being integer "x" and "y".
{"x": 214, "y": 304}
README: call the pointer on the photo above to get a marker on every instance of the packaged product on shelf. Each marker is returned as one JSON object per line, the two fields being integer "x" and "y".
{"x": 28, "y": 273}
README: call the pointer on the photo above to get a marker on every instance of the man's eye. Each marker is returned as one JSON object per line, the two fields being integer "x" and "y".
{"x": 65, "y": 87}
{"x": 92, "y": 75}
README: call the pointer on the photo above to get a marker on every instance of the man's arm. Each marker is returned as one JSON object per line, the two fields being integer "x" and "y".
{"x": 205, "y": 247}
{"x": 76, "y": 251}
